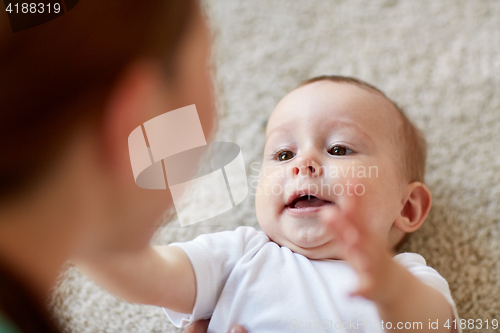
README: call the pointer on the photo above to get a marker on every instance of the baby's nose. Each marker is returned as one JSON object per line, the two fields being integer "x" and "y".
{"x": 307, "y": 168}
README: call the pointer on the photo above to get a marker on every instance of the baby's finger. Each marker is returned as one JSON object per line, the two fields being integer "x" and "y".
{"x": 353, "y": 212}
{"x": 354, "y": 238}
{"x": 336, "y": 222}
{"x": 345, "y": 234}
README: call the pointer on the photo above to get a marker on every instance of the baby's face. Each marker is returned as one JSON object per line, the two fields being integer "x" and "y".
{"x": 322, "y": 139}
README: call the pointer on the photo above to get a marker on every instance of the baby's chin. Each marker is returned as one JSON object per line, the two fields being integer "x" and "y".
{"x": 320, "y": 252}
{"x": 312, "y": 250}
{"x": 304, "y": 236}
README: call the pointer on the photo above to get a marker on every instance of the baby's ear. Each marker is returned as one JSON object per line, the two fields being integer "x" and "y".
{"x": 417, "y": 202}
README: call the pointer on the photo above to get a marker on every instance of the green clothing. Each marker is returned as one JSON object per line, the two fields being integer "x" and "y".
{"x": 20, "y": 309}
{"x": 6, "y": 326}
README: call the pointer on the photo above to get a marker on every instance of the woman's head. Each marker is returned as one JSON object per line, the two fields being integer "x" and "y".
{"x": 73, "y": 89}
{"x": 55, "y": 76}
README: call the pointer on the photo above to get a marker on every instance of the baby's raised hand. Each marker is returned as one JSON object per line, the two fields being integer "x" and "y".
{"x": 399, "y": 296}
{"x": 366, "y": 251}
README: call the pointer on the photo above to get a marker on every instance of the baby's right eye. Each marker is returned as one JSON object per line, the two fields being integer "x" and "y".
{"x": 284, "y": 155}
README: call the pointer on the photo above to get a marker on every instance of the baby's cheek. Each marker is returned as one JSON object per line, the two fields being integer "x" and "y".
{"x": 380, "y": 199}
{"x": 264, "y": 191}
{"x": 272, "y": 182}
{"x": 265, "y": 198}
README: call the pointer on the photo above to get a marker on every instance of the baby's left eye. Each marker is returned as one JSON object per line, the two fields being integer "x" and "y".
{"x": 340, "y": 151}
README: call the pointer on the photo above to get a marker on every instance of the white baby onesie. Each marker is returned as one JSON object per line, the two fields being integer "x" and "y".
{"x": 244, "y": 278}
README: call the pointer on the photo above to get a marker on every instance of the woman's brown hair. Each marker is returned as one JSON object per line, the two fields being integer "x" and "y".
{"x": 57, "y": 74}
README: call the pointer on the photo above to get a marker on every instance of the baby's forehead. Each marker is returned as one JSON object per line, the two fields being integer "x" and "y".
{"x": 331, "y": 102}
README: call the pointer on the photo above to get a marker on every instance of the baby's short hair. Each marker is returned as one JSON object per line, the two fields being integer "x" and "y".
{"x": 413, "y": 144}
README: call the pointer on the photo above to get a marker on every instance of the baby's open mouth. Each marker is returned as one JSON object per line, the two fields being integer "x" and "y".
{"x": 306, "y": 201}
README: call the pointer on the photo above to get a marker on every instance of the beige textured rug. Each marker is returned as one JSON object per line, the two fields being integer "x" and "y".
{"x": 439, "y": 59}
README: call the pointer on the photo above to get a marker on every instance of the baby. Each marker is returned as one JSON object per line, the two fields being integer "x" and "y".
{"x": 341, "y": 187}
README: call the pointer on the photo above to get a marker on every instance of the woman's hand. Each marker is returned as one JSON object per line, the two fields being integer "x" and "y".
{"x": 201, "y": 326}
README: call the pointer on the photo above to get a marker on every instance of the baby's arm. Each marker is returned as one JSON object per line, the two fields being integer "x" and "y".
{"x": 160, "y": 275}
{"x": 399, "y": 296}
